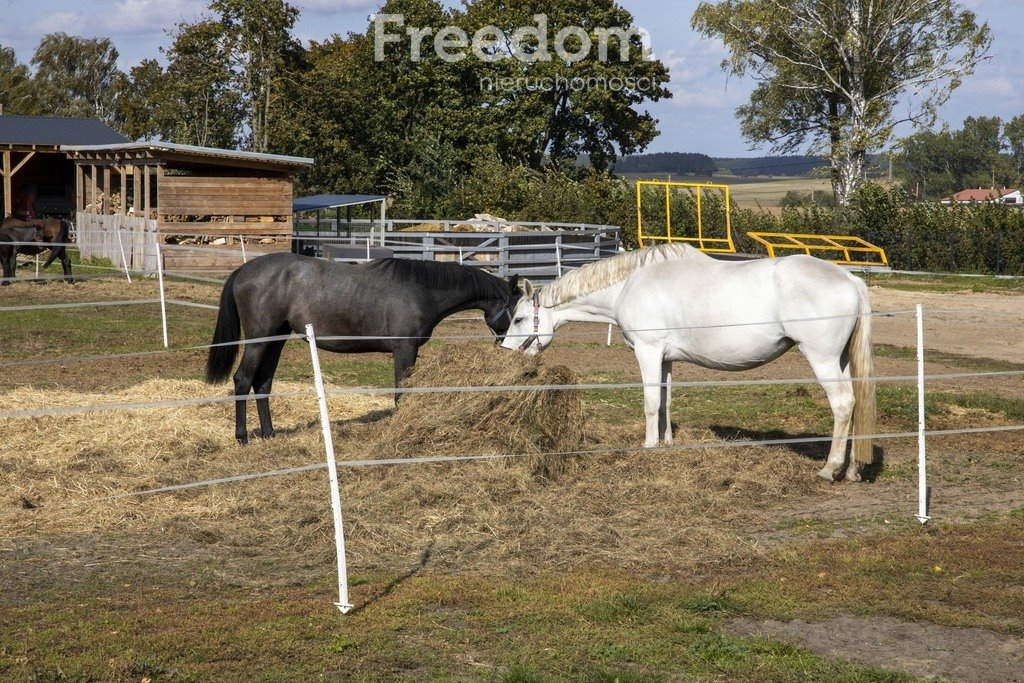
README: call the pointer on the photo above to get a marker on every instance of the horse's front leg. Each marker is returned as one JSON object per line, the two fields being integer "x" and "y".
{"x": 651, "y": 360}
{"x": 9, "y": 263}
{"x": 405, "y": 354}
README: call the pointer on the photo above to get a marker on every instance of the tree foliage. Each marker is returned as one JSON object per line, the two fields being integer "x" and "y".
{"x": 263, "y": 53}
{"x": 203, "y": 106}
{"x": 447, "y": 137}
{"x": 77, "y": 76}
{"x": 830, "y": 73}
{"x": 983, "y": 153}
{"x": 17, "y": 92}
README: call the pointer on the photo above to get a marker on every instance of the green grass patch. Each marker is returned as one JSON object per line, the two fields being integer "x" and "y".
{"x": 584, "y": 627}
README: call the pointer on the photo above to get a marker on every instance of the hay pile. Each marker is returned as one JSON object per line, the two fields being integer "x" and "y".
{"x": 534, "y": 422}
{"x": 633, "y": 509}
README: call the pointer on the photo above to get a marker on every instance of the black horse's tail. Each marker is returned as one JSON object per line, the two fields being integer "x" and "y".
{"x": 228, "y": 331}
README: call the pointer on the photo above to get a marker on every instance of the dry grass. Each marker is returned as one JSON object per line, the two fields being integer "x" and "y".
{"x": 544, "y": 512}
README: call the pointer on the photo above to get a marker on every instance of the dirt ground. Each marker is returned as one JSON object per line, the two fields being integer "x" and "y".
{"x": 994, "y": 322}
{"x": 974, "y": 478}
{"x": 971, "y": 655}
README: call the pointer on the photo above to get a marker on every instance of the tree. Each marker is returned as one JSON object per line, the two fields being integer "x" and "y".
{"x": 937, "y": 164}
{"x": 829, "y": 73}
{"x": 77, "y": 76}
{"x": 200, "y": 93}
{"x": 17, "y": 92}
{"x": 142, "y": 110}
{"x": 263, "y": 49}
{"x": 545, "y": 107}
{"x": 328, "y": 119}
{"x": 1013, "y": 131}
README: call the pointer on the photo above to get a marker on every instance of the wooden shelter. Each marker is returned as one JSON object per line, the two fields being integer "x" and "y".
{"x": 157, "y": 192}
{"x": 37, "y": 176}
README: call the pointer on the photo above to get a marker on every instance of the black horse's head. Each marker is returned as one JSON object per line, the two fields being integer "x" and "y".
{"x": 499, "y": 313}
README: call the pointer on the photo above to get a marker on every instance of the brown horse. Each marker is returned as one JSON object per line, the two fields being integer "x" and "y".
{"x": 54, "y": 238}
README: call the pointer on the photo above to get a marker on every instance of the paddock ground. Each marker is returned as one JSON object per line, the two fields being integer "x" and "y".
{"x": 703, "y": 564}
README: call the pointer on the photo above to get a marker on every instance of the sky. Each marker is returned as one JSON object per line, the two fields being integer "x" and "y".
{"x": 699, "y": 118}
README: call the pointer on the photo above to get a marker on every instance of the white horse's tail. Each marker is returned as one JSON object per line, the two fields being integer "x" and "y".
{"x": 862, "y": 371}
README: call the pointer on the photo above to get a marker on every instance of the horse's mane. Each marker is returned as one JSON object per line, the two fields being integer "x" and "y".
{"x": 594, "y": 277}
{"x": 441, "y": 275}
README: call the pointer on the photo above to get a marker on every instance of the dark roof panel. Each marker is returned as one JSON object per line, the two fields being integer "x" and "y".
{"x": 47, "y": 130}
{"x": 333, "y": 201}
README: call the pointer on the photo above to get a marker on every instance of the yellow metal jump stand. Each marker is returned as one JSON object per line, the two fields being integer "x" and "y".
{"x": 710, "y": 245}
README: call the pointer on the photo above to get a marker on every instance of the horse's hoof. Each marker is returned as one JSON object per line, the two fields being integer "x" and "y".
{"x": 267, "y": 437}
{"x": 828, "y": 475}
{"x": 853, "y": 476}
{"x": 242, "y": 440}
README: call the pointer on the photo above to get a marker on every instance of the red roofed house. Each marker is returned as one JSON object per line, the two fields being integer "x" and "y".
{"x": 1002, "y": 196}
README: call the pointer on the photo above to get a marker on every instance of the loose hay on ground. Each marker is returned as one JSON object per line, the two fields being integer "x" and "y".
{"x": 633, "y": 509}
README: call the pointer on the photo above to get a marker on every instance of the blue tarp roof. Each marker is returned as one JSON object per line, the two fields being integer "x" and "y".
{"x": 49, "y": 130}
{"x": 333, "y": 201}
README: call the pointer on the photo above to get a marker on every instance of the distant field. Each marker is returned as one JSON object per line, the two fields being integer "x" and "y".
{"x": 756, "y": 192}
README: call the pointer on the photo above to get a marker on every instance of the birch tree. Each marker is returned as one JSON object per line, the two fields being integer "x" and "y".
{"x": 836, "y": 76}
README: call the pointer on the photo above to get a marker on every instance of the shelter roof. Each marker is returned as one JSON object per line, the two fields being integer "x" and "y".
{"x": 334, "y": 201}
{"x": 51, "y": 131}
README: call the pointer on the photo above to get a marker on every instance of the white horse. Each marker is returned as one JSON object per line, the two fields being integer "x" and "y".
{"x": 674, "y": 303}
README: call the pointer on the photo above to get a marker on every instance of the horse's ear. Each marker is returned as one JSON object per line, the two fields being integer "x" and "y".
{"x": 513, "y": 282}
{"x": 527, "y": 288}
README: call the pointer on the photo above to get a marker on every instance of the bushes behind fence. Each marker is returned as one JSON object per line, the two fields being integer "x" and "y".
{"x": 965, "y": 238}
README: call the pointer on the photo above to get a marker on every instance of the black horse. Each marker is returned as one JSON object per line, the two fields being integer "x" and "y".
{"x": 13, "y": 240}
{"x": 394, "y": 304}
{"x": 55, "y": 233}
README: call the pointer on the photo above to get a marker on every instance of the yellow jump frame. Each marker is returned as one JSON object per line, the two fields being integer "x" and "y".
{"x": 710, "y": 245}
{"x": 855, "y": 251}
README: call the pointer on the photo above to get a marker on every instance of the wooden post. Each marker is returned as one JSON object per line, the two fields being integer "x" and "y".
{"x": 122, "y": 205}
{"x": 105, "y": 204}
{"x": 146, "y": 201}
{"x": 92, "y": 188}
{"x": 79, "y": 187}
{"x": 7, "y": 183}
{"x": 136, "y": 189}
{"x": 157, "y": 180}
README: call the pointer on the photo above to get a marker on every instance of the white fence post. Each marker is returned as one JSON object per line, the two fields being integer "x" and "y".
{"x": 343, "y": 603}
{"x": 609, "y": 335}
{"x": 241, "y": 241}
{"x": 922, "y": 459}
{"x": 160, "y": 281}
{"x": 124, "y": 259}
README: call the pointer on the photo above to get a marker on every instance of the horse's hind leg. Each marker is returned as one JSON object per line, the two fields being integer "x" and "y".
{"x": 65, "y": 263}
{"x": 665, "y": 418}
{"x": 841, "y": 400}
{"x": 263, "y": 382}
{"x": 252, "y": 357}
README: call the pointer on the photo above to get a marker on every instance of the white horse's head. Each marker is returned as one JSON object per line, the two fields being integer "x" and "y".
{"x": 533, "y": 326}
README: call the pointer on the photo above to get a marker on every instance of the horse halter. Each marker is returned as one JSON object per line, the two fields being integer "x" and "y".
{"x": 505, "y": 311}
{"x": 536, "y": 324}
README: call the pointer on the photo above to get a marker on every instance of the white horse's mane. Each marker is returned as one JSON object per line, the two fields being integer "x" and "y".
{"x": 594, "y": 277}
